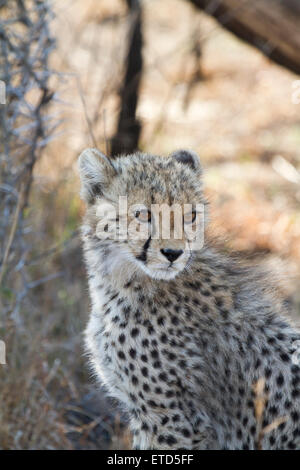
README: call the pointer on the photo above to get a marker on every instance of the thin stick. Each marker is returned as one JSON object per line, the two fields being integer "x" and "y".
{"x": 12, "y": 232}
{"x": 88, "y": 121}
{"x": 107, "y": 151}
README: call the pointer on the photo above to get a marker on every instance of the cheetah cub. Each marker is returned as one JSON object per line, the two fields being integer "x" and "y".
{"x": 179, "y": 335}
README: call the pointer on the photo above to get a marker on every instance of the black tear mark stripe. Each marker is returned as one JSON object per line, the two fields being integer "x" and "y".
{"x": 143, "y": 255}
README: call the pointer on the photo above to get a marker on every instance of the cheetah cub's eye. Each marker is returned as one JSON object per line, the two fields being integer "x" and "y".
{"x": 189, "y": 218}
{"x": 143, "y": 215}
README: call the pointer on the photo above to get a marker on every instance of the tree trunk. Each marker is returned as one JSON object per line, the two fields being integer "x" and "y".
{"x": 272, "y": 26}
{"x": 128, "y": 131}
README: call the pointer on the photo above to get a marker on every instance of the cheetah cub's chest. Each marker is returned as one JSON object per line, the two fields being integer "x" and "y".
{"x": 137, "y": 346}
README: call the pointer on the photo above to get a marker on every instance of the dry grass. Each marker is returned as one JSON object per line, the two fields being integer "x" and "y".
{"x": 237, "y": 114}
{"x": 260, "y": 402}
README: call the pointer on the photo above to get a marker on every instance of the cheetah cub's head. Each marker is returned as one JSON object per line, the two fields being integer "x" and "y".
{"x": 144, "y": 212}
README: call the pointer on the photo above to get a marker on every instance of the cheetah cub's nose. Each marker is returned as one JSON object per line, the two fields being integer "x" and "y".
{"x": 170, "y": 254}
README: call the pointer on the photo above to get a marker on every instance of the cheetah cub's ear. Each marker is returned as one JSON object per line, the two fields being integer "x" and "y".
{"x": 96, "y": 171}
{"x": 187, "y": 157}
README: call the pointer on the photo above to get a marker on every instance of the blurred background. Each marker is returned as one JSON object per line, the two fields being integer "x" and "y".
{"x": 121, "y": 75}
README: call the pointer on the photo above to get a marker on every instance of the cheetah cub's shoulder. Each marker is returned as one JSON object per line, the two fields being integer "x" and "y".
{"x": 180, "y": 334}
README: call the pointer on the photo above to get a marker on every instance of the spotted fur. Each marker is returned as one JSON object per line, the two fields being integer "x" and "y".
{"x": 181, "y": 348}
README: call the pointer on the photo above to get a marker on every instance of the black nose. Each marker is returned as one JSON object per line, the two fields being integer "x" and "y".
{"x": 170, "y": 254}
